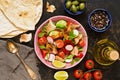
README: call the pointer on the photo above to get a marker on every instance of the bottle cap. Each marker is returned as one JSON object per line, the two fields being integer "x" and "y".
{"x": 114, "y": 55}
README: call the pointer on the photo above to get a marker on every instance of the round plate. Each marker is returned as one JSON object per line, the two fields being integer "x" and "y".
{"x": 54, "y": 19}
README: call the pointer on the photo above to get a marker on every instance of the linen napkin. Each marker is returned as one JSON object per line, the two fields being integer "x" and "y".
{"x": 11, "y": 67}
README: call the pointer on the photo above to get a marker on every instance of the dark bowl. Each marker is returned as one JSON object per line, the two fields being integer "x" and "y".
{"x": 72, "y": 13}
{"x": 106, "y": 27}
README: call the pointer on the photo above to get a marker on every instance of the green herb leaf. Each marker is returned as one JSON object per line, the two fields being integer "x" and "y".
{"x": 41, "y": 34}
{"x": 42, "y": 47}
{"x": 81, "y": 49}
{"x": 75, "y": 60}
{"x": 70, "y": 56}
{"x": 72, "y": 35}
{"x": 44, "y": 29}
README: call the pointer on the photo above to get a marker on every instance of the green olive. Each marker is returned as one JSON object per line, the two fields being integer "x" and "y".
{"x": 75, "y": 2}
{"x": 68, "y": 4}
{"x": 82, "y": 6}
{"x": 73, "y": 8}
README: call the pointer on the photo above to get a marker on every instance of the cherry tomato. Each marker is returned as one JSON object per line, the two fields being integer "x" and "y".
{"x": 97, "y": 75}
{"x": 80, "y": 55}
{"x": 78, "y": 73}
{"x": 42, "y": 40}
{"x": 87, "y": 76}
{"x": 81, "y": 43}
{"x": 44, "y": 52}
{"x": 61, "y": 54}
{"x": 59, "y": 43}
{"x": 89, "y": 64}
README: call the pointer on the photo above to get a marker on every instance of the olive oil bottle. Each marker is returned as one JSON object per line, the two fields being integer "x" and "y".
{"x": 105, "y": 52}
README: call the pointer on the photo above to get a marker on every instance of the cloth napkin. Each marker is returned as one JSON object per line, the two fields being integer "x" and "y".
{"x": 11, "y": 67}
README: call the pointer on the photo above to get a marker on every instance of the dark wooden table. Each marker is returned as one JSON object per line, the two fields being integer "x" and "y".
{"x": 109, "y": 73}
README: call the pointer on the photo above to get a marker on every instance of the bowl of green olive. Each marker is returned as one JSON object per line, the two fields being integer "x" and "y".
{"x": 75, "y": 7}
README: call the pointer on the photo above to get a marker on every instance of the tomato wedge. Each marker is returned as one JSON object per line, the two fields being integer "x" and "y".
{"x": 42, "y": 40}
{"x": 44, "y": 52}
{"x": 61, "y": 54}
{"x": 80, "y": 55}
{"x": 59, "y": 43}
{"x": 81, "y": 43}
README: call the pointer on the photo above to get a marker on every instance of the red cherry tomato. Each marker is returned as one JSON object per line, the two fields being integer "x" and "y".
{"x": 42, "y": 40}
{"x": 80, "y": 55}
{"x": 81, "y": 43}
{"x": 61, "y": 54}
{"x": 59, "y": 43}
{"x": 44, "y": 52}
{"x": 87, "y": 76}
{"x": 97, "y": 75}
{"x": 89, "y": 64}
{"x": 78, "y": 73}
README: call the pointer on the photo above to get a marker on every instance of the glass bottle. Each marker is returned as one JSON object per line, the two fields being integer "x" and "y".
{"x": 105, "y": 52}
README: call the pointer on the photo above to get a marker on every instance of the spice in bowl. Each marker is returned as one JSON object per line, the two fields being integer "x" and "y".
{"x": 99, "y": 19}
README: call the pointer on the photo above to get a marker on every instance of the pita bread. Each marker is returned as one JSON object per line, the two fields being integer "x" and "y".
{"x": 22, "y": 13}
{"x": 19, "y": 16}
{"x": 5, "y": 25}
{"x": 12, "y": 34}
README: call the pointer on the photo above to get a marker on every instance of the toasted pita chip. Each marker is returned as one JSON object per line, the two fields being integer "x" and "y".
{"x": 25, "y": 37}
{"x": 50, "y": 8}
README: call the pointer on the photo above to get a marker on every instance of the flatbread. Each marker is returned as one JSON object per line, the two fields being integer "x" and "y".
{"x": 5, "y": 25}
{"x": 19, "y": 16}
{"x": 22, "y": 13}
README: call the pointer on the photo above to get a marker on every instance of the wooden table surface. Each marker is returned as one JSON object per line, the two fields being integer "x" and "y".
{"x": 109, "y": 73}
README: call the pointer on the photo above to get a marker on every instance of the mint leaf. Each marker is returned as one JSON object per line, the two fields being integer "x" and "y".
{"x": 70, "y": 56}
{"x": 42, "y": 47}
{"x": 81, "y": 49}
{"x": 44, "y": 29}
{"x": 41, "y": 34}
{"x": 75, "y": 60}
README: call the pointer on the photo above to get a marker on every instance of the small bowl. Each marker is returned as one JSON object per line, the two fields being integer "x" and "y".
{"x": 38, "y": 51}
{"x": 72, "y": 13}
{"x": 106, "y": 27}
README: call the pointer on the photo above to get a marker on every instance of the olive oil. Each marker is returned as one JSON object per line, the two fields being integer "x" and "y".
{"x": 105, "y": 52}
